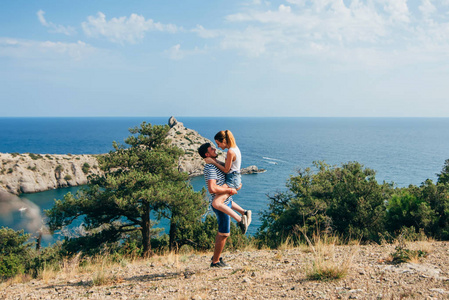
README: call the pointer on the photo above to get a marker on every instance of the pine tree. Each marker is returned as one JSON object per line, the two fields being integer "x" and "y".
{"x": 139, "y": 180}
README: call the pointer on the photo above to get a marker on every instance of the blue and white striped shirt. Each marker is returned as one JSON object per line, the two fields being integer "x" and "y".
{"x": 211, "y": 172}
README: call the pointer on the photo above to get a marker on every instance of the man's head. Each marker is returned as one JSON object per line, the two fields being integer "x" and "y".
{"x": 206, "y": 150}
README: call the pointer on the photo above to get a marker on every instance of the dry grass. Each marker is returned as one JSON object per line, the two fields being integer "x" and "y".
{"x": 287, "y": 244}
{"x": 101, "y": 267}
{"x": 326, "y": 263}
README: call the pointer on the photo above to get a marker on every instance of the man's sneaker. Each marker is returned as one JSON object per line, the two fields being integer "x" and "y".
{"x": 248, "y": 216}
{"x": 221, "y": 260}
{"x": 220, "y": 264}
{"x": 243, "y": 224}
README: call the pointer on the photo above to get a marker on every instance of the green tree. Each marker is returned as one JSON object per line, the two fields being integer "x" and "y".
{"x": 443, "y": 177}
{"x": 437, "y": 197}
{"x": 347, "y": 200}
{"x": 14, "y": 253}
{"x": 140, "y": 179}
{"x": 408, "y": 209}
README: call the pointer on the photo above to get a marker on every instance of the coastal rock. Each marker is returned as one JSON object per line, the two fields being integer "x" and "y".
{"x": 189, "y": 140}
{"x": 30, "y": 173}
{"x": 252, "y": 170}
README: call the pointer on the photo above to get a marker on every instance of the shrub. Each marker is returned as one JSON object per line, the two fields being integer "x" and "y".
{"x": 347, "y": 200}
{"x": 14, "y": 254}
{"x": 407, "y": 210}
{"x": 402, "y": 254}
{"x": 35, "y": 156}
{"x": 11, "y": 265}
{"x": 67, "y": 177}
{"x": 49, "y": 257}
{"x": 85, "y": 168}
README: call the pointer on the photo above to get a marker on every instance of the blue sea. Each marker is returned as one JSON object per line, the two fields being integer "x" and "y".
{"x": 402, "y": 151}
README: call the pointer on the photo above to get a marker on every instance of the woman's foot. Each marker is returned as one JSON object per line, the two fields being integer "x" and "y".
{"x": 243, "y": 224}
{"x": 248, "y": 216}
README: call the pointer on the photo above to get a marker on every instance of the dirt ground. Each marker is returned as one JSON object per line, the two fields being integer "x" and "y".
{"x": 256, "y": 274}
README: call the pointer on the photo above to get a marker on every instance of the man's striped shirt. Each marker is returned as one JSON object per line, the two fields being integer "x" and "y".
{"x": 211, "y": 172}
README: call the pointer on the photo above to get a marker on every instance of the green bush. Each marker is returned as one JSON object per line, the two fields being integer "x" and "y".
{"x": 49, "y": 256}
{"x": 14, "y": 253}
{"x": 35, "y": 156}
{"x": 11, "y": 265}
{"x": 85, "y": 168}
{"x": 435, "y": 219}
{"x": 346, "y": 200}
{"x": 406, "y": 210}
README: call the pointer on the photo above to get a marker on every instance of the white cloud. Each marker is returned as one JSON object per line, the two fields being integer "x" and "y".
{"x": 362, "y": 33}
{"x": 205, "y": 33}
{"x": 53, "y": 27}
{"x": 253, "y": 41}
{"x": 285, "y": 9}
{"x": 176, "y": 53}
{"x": 29, "y": 49}
{"x": 398, "y": 10}
{"x": 130, "y": 29}
{"x": 427, "y": 8}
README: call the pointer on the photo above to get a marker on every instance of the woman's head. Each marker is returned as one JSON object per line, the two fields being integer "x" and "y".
{"x": 225, "y": 139}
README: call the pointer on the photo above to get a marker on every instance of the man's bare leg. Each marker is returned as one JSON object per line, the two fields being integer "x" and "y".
{"x": 220, "y": 241}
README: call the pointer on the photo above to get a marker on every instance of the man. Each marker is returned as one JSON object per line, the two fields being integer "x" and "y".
{"x": 215, "y": 180}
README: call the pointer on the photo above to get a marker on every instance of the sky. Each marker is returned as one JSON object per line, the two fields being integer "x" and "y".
{"x": 247, "y": 58}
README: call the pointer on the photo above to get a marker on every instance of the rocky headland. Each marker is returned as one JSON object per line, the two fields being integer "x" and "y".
{"x": 30, "y": 173}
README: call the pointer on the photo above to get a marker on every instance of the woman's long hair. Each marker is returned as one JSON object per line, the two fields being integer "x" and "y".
{"x": 226, "y": 135}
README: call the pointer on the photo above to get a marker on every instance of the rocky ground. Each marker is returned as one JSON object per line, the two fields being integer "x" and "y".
{"x": 255, "y": 274}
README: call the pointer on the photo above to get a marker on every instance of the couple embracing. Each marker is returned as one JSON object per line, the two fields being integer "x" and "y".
{"x": 223, "y": 181}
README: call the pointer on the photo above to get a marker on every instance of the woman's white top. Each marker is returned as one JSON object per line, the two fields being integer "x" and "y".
{"x": 236, "y": 164}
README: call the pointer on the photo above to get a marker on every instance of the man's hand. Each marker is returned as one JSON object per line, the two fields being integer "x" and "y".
{"x": 233, "y": 192}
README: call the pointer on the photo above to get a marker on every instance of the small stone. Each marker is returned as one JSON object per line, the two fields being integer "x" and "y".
{"x": 246, "y": 280}
{"x": 441, "y": 291}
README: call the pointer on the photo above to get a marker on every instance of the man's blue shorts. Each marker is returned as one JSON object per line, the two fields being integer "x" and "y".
{"x": 224, "y": 220}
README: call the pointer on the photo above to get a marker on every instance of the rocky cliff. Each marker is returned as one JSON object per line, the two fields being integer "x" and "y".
{"x": 29, "y": 173}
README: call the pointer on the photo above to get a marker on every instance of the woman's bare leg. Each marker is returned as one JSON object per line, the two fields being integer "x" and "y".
{"x": 218, "y": 203}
